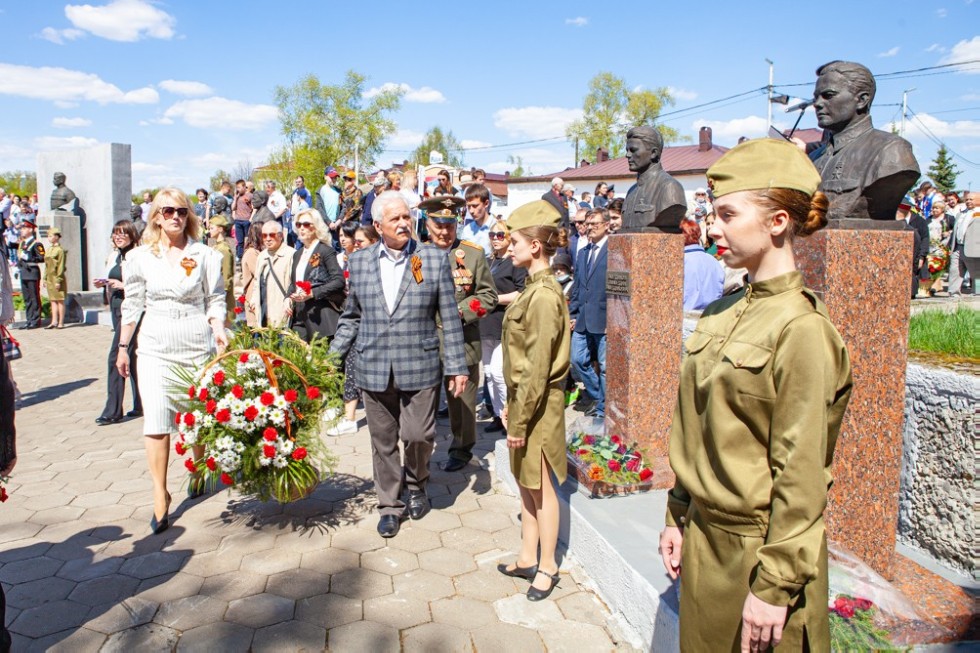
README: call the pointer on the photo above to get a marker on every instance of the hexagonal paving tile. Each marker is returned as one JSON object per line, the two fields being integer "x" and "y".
{"x": 260, "y": 610}
{"x": 425, "y": 585}
{"x": 463, "y": 613}
{"x": 330, "y": 561}
{"x": 584, "y": 607}
{"x": 115, "y": 617}
{"x": 154, "y": 564}
{"x": 468, "y": 540}
{"x": 363, "y": 635}
{"x": 415, "y": 540}
{"x": 448, "y": 562}
{"x": 291, "y": 636}
{"x": 233, "y": 585}
{"x": 190, "y": 612}
{"x": 50, "y": 618}
{"x": 504, "y": 638}
{"x": 161, "y": 589}
{"x": 270, "y": 562}
{"x": 106, "y": 589}
{"x": 389, "y": 561}
{"x": 247, "y": 542}
{"x": 438, "y": 521}
{"x": 221, "y": 637}
{"x": 58, "y": 515}
{"x": 68, "y": 641}
{"x": 96, "y": 499}
{"x": 519, "y": 611}
{"x": 213, "y": 563}
{"x": 38, "y": 592}
{"x": 436, "y": 637}
{"x": 150, "y": 637}
{"x": 24, "y": 571}
{"x": 329, "y": 610}
{"x": 360, "y": 584}
{"x": 486, "y": 520}
{"x": 397, "y": 611}
{"x": 299, "y": 584}
{"x": 357, "y": 540}
{"x": 94, "y": 567}
{"x": 502, "y": 503}
{"x": 486, "y": 585}
{"x": 572, "y": 636}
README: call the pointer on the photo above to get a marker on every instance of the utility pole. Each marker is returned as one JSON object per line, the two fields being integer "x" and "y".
{"x": 576, "y": 151}
{"x": 769, "y": 98}
{"x": 905, "y": 108}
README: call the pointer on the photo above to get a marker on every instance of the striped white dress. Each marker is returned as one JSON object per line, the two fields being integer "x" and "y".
{"x": 178, "y": 300}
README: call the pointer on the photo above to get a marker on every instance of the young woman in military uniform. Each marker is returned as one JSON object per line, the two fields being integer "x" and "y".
{"x": 764, "y": 386}
{"x": 54, "y": 278}
{"x": 536, "y": 342}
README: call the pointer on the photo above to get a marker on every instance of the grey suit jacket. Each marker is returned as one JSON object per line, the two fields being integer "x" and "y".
{"x": 404, "y": 342}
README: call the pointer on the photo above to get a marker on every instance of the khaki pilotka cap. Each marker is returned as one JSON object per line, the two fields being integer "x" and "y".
{"x": 761, "y": 164}
{"x": 218, "y": 221}
{"x": 538, "y": 213}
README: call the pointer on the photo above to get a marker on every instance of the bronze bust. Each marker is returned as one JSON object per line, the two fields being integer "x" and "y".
{"x": 865, "y": 171}
{"x": 61, "y": 194}
{"x": 656, "y": 199}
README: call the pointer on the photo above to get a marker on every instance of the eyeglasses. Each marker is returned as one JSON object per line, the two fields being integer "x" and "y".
{"x": 498, "y": 235}
{"x": 270, "y": 236}
{"x": 595, "y": 224}
{"x": 168, "y": 211}
{"x": 304, "y": 224}
{"x": 578, "y": 222}
{"x": 119, "y": 233}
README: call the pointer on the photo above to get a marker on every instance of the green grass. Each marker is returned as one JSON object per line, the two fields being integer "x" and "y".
{"x": 954, "y": 333}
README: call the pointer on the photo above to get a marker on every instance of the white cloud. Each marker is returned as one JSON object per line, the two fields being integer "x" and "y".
{"x": 935, "y": 47}
{"x": 970, "y": 97}
{"x": 891, "y": 52}
{"x": 405, "y": 139}
{"x": 70, "y": 123}
{"x": 62, "y": 104}
{"x": 142, "y": 167}
{"x": 468, "y": 144}
{"x": 190, "y": 89}
{"x": 424, "y": 95}
{"x": 123, "y": 20}
{"x": 941, "y": 12}
{"x": 59, "y": 36}
{"x": 539, "y": 160}
{"x": 578, "y": 21}
{"x": 63, "y": 85}
{"x": 729, "y": 131}
{"x": 942, "y": 129}
{"x": 535, "y": 122}
{"x": 965, "y": 51}
{"x": 222, "y": 113}
{"x": 682, "y": 94}
{"x": 63, "y": 142}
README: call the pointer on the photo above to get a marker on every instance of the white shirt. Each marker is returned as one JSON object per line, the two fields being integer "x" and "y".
{"x": 145, "y": 207}
{"x": 277, "y": 203}
{"x": 304, "y": 261}
{"x": 596, "y": 248}
{"x": 392, "y": 263}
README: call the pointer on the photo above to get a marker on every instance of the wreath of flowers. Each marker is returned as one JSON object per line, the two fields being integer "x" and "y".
{"x": 607, "y": 458}
{"x": 255, "y": 409}
{"x": 938, "y": 259}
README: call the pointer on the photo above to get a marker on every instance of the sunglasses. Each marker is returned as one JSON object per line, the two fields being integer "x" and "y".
{"x": 304, "y": 224}
{"x": 119, "y": 233}
{"x": 269, "y": 236}
{"x": 498, "y": 235}
{"x": 168, "y": 211}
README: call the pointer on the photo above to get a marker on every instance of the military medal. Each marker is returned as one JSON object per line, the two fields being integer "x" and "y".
{"x": 188, "y": 264}
{"x": 417, "y": 268}
{"x": 462, "y": 278}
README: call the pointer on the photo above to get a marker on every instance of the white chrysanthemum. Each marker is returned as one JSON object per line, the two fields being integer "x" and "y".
{"x": 265, "y": 462}
{"x": 280, "y": 461}
{"x": 286, "y": 446}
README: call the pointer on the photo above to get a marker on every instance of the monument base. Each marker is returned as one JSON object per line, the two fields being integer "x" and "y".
{"x": 864, "y": 277}
{"x": 644, "y": 317}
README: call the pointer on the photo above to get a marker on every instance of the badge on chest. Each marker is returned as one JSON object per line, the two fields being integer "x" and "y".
{"x": 462, "y": 276}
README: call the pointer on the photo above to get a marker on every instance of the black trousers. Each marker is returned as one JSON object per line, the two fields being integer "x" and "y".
{"x": 8, "y": 450}
{"x": 115, "y": 384}
{"x": 31, "y": 289}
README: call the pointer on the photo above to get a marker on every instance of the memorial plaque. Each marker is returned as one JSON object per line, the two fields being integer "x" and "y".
{"x": 618, "y": 283}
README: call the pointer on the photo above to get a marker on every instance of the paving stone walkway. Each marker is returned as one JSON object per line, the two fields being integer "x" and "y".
{"x": 82, "y": 571}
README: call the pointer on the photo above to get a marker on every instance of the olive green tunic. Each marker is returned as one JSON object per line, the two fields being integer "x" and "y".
{"x": 228, "y": 274}
{"x": 55, "y": 280}
{"x": 764, "y": 386}
{"x": 536, "y": 344}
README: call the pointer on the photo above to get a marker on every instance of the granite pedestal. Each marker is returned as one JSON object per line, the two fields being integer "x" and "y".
{"x": 644, "y": 315}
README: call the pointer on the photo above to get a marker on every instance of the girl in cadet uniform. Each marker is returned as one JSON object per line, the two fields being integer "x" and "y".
{"x": 54, "y": 278}
{"x": 536, "y": 343}
{"x": 763, "y": 389}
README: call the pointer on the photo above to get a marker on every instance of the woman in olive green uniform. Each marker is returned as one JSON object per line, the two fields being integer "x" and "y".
{"x": 536, "y": 345}
{"x": 764, "y": 386}
{"x": 219, "y": 229}
{"x": 54, "y": 278}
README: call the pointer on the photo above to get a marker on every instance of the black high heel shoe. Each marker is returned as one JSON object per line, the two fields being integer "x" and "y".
{"x": 196, "y": 487}
{"x": 527, "y": 573}
{"x": 158, "y": 526}
{"x": 534, "y": 594}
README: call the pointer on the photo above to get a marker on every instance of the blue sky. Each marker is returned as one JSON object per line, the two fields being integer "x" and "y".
{"x": 190, "y": 84}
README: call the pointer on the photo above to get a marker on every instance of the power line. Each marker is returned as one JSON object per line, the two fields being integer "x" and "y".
{"x": 938, "y": 141}
{"x": 902, "y": 74}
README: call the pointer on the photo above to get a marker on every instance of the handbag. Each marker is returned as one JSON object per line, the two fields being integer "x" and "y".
{"x": 11, "y": 348}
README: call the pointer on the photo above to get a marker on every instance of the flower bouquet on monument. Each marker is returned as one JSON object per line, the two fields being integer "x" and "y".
{"x": 256, "y": 410}
{"x": 604, "y": 464}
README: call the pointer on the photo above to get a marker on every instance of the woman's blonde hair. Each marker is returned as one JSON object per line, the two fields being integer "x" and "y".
{"x": 319, "y": 226}
{"x": 152, "y": 234}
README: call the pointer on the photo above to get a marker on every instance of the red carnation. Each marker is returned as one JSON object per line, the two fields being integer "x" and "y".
{"x": 299, "y": 453}
{"x": 241, "y": 299}
{"x": 239, "y": 310}
{"x": 238, "y": 391}
{"x": 480, "y": 312}
{"x": 189, "y": 464}
{"x": 189, "y": 419}
{"x": 305, "y": 286}
{"x": 180, "y": 448}
{"x": 177, "y": 418}
{"x": 312, "y": 393}
{"x": 277, "y": 363}
{"x": 243, "y": 358}
{"x": 269, "y": 451}
{"x": 347, "y": 274}
{"x": 219, "y": 377}
{"x": 844, "y": 607}
{"x": 223, "y": 416}
{"x": 270, "y": 434}
{"x": 863, "y": 604}
{"x": 475, "y": 305}
{"x": 227, "y": 479}
{"x": 589, "y": 439}
{"x": 616, "y": 439}
{"x": 192, "y": 392}
{"x": 251, "y": 413}
{"x": 582, "y": 452}
{"x": 203, "y": 394}
{"x": 632, "y": 464}
{"x": 267, "y": 398}
{"x": 211, "y": 464}
{"x": 621, "y": 449}
{"x": 614, "y": 466}
{"x": 211, "y": 406}
{"x": 3, "y": 494}
{"x": 645, "y": 474}
{"x": 290, "y": 395}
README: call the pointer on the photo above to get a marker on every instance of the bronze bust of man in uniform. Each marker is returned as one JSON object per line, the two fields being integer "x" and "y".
{"x": 61, "y": 194}
{"x": 656, "y": 199}
{"x": 865, "y": 171}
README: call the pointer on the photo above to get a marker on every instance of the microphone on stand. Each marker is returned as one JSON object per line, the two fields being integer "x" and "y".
{"x": 799, "y": 106}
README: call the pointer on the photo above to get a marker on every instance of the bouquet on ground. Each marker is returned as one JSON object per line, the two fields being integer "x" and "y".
{"x": 607, "y": 458}
{"x": 853, "y": 628}
{"x": 256, "y": 410}
{"x": 938, "y": 259}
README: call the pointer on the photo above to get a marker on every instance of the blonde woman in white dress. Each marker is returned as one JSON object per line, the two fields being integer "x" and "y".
{"x": 177, "y": 282}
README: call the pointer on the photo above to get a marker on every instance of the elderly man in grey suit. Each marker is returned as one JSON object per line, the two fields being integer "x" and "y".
{"x": 397, "y": 288}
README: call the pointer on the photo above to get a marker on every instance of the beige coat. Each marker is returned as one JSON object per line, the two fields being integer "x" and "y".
{"x": 279, "y": 264}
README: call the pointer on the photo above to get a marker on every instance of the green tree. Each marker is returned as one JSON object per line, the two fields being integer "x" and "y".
{"x": 440, "y": 141}
{"x": 943, "y": 171}
{"x": 519, "y": 169}
{"x": 611, "y": 108}
{"x": 214, "y": 183}
{"x": 19, "y": 182}
{"x": 331, "y": 124}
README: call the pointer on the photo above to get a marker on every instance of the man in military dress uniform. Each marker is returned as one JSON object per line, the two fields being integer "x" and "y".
{"x": 30, "y": 256}
{"x": 475, "y": 296}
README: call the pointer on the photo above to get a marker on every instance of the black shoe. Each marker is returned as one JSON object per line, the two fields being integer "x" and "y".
{"x": 534, "y": 594}
{"x": 453, "y": 465}
{"x": 527, "y": 573}
{"x": 388, "y": 525}
{"x": 25, "y": 327}
{"x": 158, "y": 526}
{"x": 495, "y": 427}
{"x": 102, "y": 421}
{"x": 135, "y": 413}
{"x": 418, "y": 505}
{"x": 442, "y": 413}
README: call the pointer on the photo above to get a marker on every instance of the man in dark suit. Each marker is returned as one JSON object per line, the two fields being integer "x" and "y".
{"x": 907, "y": 211}
{"x": 555, "y": 197}
{"x": 587, "y": 309}
{"x": 30, "y": 256}
{"x": 397, "y": 289}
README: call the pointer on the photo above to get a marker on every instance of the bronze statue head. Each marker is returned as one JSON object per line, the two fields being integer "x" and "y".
{"x": 59, "y": 179}
{"x": 643, "y": 147}
{"x": 843, "y": 94}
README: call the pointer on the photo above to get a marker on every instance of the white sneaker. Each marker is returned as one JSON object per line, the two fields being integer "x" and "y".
{"x": 331, "y": 414}
{"x": 343, "y": 427}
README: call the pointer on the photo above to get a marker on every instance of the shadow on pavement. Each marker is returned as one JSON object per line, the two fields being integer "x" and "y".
{"x": 53, "y": 392}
